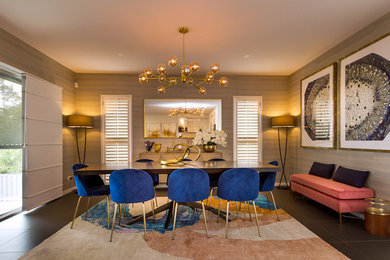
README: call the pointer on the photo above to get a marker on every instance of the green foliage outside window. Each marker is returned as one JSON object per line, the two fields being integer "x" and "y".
{"x": 10, "y": 161}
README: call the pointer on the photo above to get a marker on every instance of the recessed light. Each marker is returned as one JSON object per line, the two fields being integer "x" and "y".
{"x": 120, "y": 54}
{"x": 246, "y": 56}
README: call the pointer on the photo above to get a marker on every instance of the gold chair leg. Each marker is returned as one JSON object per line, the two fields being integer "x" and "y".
{"x": 113, "y": 221}
{"x": 205, "y": 220}
{"x": 239, "y": 208}
{"x": 155, "y": 196}
{"x": 143, "y": 211}
{"x": 120, "y": 213}
{"x": 219, "y": 209}
{"x": 249, "y": 212}
{"x": 273, "y": 201}
{"x": 341, "y": 218}
{"x": 227, "y": 218}
{"x": 86, "y": 214}
{"x": 75, "y": 211}
{"x": 269, "y": 205}
{"x": 211, "y": 194}
{"x": 152, "y": 202}
{"x": 257, "y": 220}
{"x": 174, "y": 220}
{"x": 108, "y": 212}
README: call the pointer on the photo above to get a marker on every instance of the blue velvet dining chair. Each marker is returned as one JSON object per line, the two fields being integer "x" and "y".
{"x": 88, "y": 186}
{"x": 214, "y": 178}
{"x": 155, "y": 177}
{"x": 267, "y": 184}
{"x": 238, "y": 184}
{"x": 130, "y": 186}
{"x": 188, "y": 185}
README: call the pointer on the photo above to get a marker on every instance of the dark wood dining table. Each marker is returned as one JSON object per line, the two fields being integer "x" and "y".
{"x": 215, "y": 167}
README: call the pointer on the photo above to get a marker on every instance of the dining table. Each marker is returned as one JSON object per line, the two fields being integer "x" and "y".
{"x": 211, "y": 167}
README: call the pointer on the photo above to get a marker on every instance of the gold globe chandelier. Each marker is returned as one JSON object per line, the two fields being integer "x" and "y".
{"x": 185, "y": 75}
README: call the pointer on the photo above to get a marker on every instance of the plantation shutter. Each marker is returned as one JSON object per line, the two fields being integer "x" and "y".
{"x": 247, "y": 128}
{"x": 116, "y": 129}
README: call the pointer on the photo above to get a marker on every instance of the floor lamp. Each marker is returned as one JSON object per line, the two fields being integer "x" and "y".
{"x": 80, "y": 122}
{"x": 285, "y": 122}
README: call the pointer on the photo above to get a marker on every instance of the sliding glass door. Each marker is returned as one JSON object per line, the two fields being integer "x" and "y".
{"x": 11, "y": 143}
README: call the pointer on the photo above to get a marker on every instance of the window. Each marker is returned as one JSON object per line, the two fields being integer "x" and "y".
{"x": 116, "y": 135}
{"x": 247, "y": 128}
{"x": 11, "y": 142}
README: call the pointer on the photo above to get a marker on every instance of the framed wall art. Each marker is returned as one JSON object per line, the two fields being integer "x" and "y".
{"x": 318, "y": 108}
{"x": 365, "y": 98}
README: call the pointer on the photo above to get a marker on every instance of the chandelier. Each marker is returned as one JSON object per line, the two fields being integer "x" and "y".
{"x": 185, "y": 73}
{"x": 187, "y": 111}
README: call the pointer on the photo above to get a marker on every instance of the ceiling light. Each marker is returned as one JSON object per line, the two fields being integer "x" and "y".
{"x": 185, "y": 73}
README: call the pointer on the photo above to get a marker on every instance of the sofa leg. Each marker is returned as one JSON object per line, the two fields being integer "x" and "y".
{"x": 341, "y": 218}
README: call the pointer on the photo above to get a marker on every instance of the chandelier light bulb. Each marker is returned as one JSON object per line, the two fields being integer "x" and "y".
{"x": 148, "y": 72}
{"x": 214, "y": 68}
{"x": 209, "y": 77}
{"x": 162, "y": 78}
{"x": 172, "y": 61}
{"x": 142, "y": 78}
{"x": 202, "y": 90}
{"x": 161, "y": 89}
{"x": 186, "y": 70}
{"x": 173, "y": 81}
{"x": 223, "y": 81}
{"x": 161, "y": 68}
{"x": 194, "y": 66}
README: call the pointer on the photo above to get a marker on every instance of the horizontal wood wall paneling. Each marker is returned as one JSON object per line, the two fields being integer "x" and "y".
{"x": 274, "y": 90}
{"x": 300, "y": 159}
{"x": 22, "y": 56}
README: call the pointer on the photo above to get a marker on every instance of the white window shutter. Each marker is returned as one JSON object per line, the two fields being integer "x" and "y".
{"x": 247, "y": 137}
{"x": 116, "y": 127}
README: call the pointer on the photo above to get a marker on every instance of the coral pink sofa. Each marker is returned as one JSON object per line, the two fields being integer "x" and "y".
{"x": 338, "y": 196}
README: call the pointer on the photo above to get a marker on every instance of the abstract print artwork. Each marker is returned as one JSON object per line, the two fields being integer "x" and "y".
{"x": 317, "y": 106}
{"x": 365, "y": 98}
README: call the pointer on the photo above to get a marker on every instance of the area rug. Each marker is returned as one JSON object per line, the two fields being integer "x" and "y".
{"x": 284, "y": 239}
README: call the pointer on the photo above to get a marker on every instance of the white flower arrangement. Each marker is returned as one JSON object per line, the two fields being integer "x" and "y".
{"x": 210, "y": 138}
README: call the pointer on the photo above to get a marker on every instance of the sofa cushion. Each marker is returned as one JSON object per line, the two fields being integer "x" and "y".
{"x": 351, "y": 177}
{"x": 332, "y": 188}
{"x": 322, "y": 170}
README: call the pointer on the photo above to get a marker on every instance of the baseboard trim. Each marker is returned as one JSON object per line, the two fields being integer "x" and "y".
{"x": 67, "y": 191}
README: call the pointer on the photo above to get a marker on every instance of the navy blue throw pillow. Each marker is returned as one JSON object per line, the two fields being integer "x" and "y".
{"x": 351, "y": 177}
{"x": 322, "y": 170}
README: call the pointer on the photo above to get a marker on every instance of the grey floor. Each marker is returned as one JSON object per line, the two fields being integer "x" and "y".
{"x": 20, "y": 233}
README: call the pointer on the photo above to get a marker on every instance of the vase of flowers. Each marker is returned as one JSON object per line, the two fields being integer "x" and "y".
{"x": 210, "y": 139}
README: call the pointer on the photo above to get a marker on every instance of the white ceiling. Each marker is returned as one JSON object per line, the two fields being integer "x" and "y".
{"x": 244, "y": 37}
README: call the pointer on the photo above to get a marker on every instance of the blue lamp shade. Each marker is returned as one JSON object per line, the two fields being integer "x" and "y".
{"x": 283, "y": 121}
{"x": 79, "y": 121}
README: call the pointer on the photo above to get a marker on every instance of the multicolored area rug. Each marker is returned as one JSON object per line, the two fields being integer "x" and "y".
{"x": 89, "y": 238}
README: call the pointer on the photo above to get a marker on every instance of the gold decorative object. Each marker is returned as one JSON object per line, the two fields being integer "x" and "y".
{"x": 157, "y": 147}
{"x": 185, "y": 73}
{"x": 209, "y": 148}
{"x": 187, "y": 111}
{"x": 184, "y": 155}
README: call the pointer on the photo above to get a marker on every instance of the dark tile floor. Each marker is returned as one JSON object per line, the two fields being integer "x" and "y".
{"x": 20, "y": 233}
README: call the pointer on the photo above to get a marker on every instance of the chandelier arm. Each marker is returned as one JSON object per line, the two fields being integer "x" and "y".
{"x": 199, "y": 79}
{"x": 200, "y": 83}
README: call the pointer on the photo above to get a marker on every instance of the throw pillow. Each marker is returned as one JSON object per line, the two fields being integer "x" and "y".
{"x": 322, "y": 170}
{"x": 351, "y": 177}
